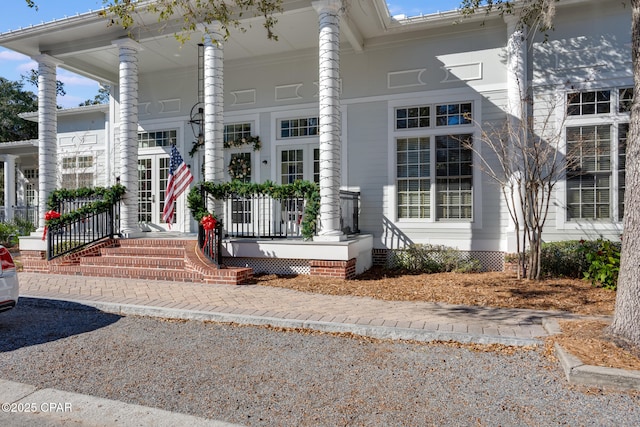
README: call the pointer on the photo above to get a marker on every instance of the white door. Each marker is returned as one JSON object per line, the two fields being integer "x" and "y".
{"x": 298, "y": 162}
{"x": 153, "y": 172}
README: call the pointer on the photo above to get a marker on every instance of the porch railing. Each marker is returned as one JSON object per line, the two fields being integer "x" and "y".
{"x": 23, "y": 213}
{"x": 210, "y": 242}
{"x": 261, "y": 216}
{"x": 76, "y": 233}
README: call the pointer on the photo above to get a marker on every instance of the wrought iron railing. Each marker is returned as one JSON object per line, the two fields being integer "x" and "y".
{"x": 350, "y": 212}
{"x": 75, "y": 233}
{"x": 210, "y": 243}
{"x": 261, "y": 216}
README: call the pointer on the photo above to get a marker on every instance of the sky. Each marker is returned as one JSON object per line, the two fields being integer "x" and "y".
{"x": 15, "y": 14}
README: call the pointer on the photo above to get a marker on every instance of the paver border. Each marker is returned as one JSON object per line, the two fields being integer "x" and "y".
{"x": 579, "y": 373}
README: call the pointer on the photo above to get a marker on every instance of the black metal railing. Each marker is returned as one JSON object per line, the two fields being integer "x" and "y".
{"x": 210, "y": 243}
{"x": 350, "y": 212}
{"x": 73, "y": 234}
{"x": 261, "y": 216}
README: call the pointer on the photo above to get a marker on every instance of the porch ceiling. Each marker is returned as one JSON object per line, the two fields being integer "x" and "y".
{"x": 84, "y": 42}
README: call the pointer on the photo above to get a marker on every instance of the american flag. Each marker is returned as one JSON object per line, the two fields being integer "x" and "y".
{"x": 179, "y": 179}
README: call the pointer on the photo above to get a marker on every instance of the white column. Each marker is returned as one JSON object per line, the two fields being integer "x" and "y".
{"x": 128, "y": 135}
{"x": 516, "y": 67}
{"x": 517, "y": 108}
{"x": 47, "y": 132}
{"x": 9, "y": 186}
{"x": 214, "y": 107}
{"x": 330, "y": 119}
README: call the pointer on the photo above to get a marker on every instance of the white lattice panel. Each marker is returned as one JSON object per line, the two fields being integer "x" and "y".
{"x": 283, "y": 266}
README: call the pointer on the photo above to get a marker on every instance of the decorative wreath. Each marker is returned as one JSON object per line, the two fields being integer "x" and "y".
{"x": 240, "y": 166}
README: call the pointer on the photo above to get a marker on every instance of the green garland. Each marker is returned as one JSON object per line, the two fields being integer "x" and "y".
{"x": 110, "y": 195}
{"x": 305, "y": 189}
{"x": 255, "y": 140}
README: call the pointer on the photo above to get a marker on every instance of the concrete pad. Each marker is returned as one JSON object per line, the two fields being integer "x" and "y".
{"x": 70, "y": 407}
{"x": 12, "y": 391}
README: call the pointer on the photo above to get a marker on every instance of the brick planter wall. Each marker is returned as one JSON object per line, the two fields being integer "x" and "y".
{"x": 339, "y": 269}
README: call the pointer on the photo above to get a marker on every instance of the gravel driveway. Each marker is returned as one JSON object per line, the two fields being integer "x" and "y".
{"x": 261, "y": 377}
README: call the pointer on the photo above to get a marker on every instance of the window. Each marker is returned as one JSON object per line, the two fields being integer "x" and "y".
{"x": 453, "y": 114}
{"x": 293, "y": 128}
{"x": 453, "y": 177}
{"x": 413, "y": 165}
{"x": 589, "y": 178}
{"x": 623, "y": 130}
{"x": 624, "y": 100}
{"x": 434, "y": 173}
{"x": 413, "y": 117}
{"x": 164, "y": 138}
{"x": 291, "y": 166}
{"x": 236, "y": 131}
{"x": 596, "y": 153}
{"x": 69, "y": 163}
{"x": 586, "y": 103}
{"x": 78, "y": 172}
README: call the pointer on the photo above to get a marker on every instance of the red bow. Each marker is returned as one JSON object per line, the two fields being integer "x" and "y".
{"x": 47, "y": 217}
{"x": 208, "y": 222}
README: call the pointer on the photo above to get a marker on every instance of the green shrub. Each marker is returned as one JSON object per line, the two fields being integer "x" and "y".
{"x": 8, "y": 234}
{"x": 563, "y": 259}
{"x": 418, "y": 258}
{"x": 25, "y": 227}
{"x": 604, "y": 263}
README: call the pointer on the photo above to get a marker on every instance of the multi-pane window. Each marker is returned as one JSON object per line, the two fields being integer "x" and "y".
{"x": 293, "y": 128}
{"x": 587, "y": 103}
{"x": 69, "y": 163}
{"x": 413, "y": 170}
{"x": 623, "y": 130}
{"x": 163, "y": 138}
{"x": 453, "y": 182}
{"x": 454, "y": 161}
{"x": 625, "y": 96}
{"x": 316, "y": 165}
{"x": 77, "y": 172}
{"x": 291, "y": 165}
{"x": 434, "y": 169}
{"x": 236, "y": 131}
{"x": 453, "y": 114}
{"x": 596, "y": 153}
{"x": 30, "y": 193}
{"x": 413, "y": 117}
{"x": 589, "y": 175}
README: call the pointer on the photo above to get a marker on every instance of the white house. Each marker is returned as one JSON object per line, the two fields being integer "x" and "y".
{"x": 348, "y": 97}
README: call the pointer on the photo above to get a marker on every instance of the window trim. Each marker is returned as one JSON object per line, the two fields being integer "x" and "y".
{"x": 615, "y": 119}
{"x": 437, "y": 98}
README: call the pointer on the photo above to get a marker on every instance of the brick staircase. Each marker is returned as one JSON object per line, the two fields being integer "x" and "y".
{"x": 154, "y": 259}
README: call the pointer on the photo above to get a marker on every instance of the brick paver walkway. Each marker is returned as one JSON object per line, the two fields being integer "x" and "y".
{"x": 275, "y": 303}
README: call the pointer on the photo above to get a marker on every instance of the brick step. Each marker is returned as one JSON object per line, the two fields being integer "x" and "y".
{"x": 143, "y": 251}
{"x": 128, "y": 272}
{"x": 137, "y": 261}
{"x": 153, "y": 243}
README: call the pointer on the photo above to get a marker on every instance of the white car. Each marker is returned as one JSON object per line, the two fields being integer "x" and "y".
{"x": 8, "y": 281}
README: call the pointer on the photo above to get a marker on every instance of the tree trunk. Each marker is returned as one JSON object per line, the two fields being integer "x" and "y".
{"x": 626, "y": 319}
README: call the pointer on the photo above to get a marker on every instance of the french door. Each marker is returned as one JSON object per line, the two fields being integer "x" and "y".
{"x": 153, "y": 172}
{"x": 298, "y": 162}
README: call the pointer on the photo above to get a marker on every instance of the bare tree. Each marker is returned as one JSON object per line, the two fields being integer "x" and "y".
{"x": 525, "y": 156}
